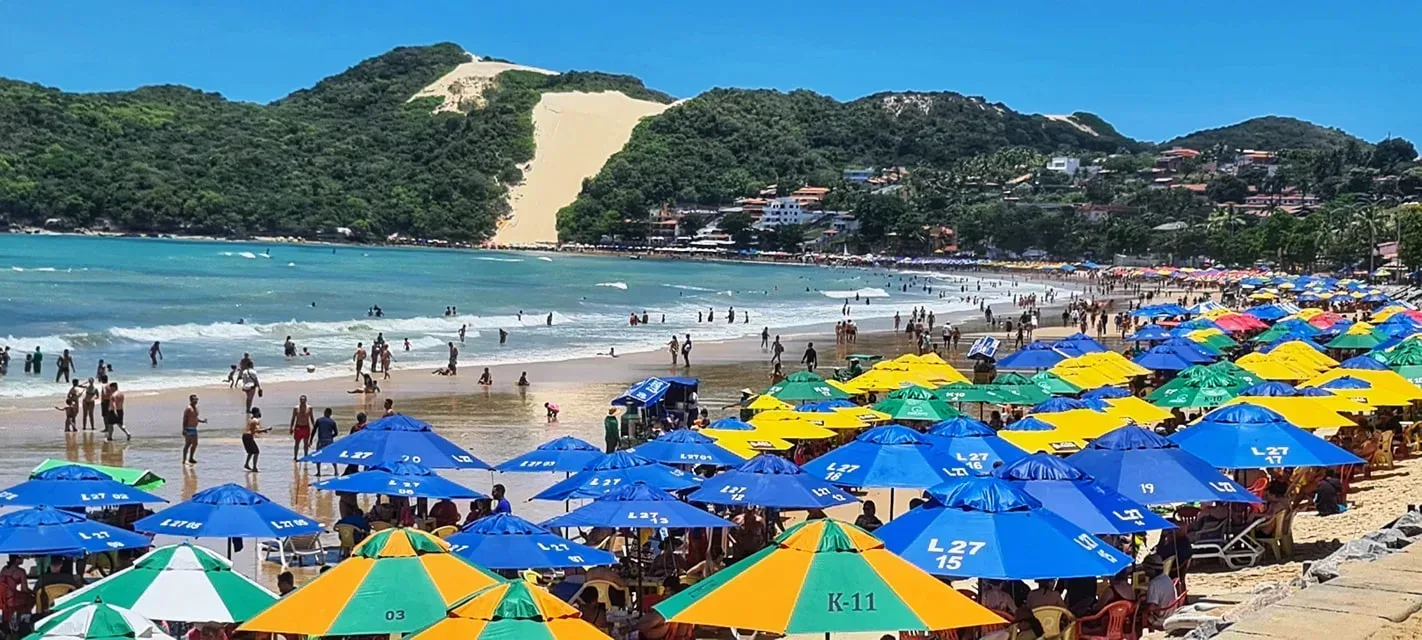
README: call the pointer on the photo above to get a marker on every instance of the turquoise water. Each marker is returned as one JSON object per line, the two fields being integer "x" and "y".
{"x": 209, "y": 302}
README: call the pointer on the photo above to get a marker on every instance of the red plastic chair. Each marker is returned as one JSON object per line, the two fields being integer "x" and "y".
{"x": 1115, "y": 621}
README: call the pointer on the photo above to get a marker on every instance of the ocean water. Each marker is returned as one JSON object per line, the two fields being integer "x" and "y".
{"x": 207, "y": 303}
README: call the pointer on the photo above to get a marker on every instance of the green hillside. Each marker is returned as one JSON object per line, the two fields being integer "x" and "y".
{"x": 1272, "y": 133}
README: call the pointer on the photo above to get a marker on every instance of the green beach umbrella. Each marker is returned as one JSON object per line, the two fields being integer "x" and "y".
{"x": 136, "y": 478}
{"x": 1234, "y": 373}
{"x": 1409, "y": 353}
{"x": 1413, "y": 373}
{"x": 804, "y": 386}
{"x": 1020, "y": 387}
{"x": 180, "y": 583}
{"x": 968, "y": 392}
{"x": 915, "y": 403}
{"x": 1055, "y": 384}
{"x": 1209, "y": 388}
{"x": 97, "y": 621}
{"x": 1364, "y": 340}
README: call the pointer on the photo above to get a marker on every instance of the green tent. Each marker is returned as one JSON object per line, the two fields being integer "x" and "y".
{"x": 136, "y": 478}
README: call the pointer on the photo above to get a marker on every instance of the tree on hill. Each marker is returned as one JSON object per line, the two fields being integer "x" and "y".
{"x": 1270, "y": 133}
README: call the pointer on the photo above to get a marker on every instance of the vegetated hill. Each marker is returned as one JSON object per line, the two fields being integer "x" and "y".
{"x": 731, "y": 142}
{"x": 1270, "y": 133}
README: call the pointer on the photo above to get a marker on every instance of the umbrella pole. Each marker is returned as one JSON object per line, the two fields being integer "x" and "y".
{"x": 891, "y": 503}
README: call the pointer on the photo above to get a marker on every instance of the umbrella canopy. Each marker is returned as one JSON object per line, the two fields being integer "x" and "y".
{"x": 1036, "y": 355}
{"x": 804, "y": 386}
{"x": 396, "y": 581}
{"x": 506, "y": 541}
{"x": 983, "y": 527}
{"x": 731, "y": 424}
{"x": 1019, "y": 388}
{"x": 1059, "y": 405}
{"x": 1354, "y": 340}
{"x": 639, "y": 506}
{"x": 764, "y": 402}
{"x": 1209, "y": 389}
{"x": 886, "y": 457}
{"x": 398, "y": 438}
{"x": 969, "y": 392}
{"x": 566, "y": 454}
{"x": 1162, "y": 358}
{"x": 770, "y": 481}
{"x": 684, "y": 446}
{"x": 97, "y": 621}
{"x": 1073, "y": 494}
{"x": 1364, "y": 362}
{"x": 513, "y": 610}
{"x": 1247, "y": 436}
{"x": 408, "y": 479}
{"x": 228, "y": 511}
{"x": 824, "y": 576}
{"x": 614, "y": 470}
{"x": 49, "y": 531}
{"x": 1150, "y": 333}
{"x": 916, "y": 403}
{"x": 181, "y": 583}
{"x": 1054, "y": 384}
{"x": 973, "y": 444}
{"x": 136, "y": 478}
{"x": 73, "y": 486}
{"x": 1084, "y": 343}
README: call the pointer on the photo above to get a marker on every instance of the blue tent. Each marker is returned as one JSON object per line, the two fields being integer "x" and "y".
{"x": 504, "y": 541}
{"x": 731, "y": 424}
{"x": 1152, "y": 470}
{"x": 47, "y": 531}
{"x": 398, "y": 438}
{"x": 1072, "y": 494}
{"x": 639, "y": 506}
{"x": 652, "y": 390}
{"x": 1150, "y": 333}
{"x": 983, "y": 527}
{"x": 1059, "y": 404}
{"x": 684, "y": 446}
{"x": 770, "y": 481}
{"x": 407, "y": 479}
{"x": 1246, "y": 436}
{"x": 228, "y": 511}
{"x": 1106, "y": 393}
{"x": 973, "y": 444}
{"x": 891, "y": 457}
{"x": 566, "y": 454}
{"x": 1085, "y": 343}
{"x": 73, "y": 486}
{"x": 1162, "y": 359}
{"x": 1036, "y": 355}
{"x": 614, "y": 470}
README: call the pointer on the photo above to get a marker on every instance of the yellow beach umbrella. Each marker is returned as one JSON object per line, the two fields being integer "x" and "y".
{"x": 1299, "y": 351}
{"x": 1271, "y": 368}
{"x": 1086, "y": 423}
{"x": 1385, "y": 378}
{"x": 1215, "y": 314}
{"x": 789, "y": 427}
{"x": 844, "y": 387}
{"x": 1387, "y": 312}
{"x": 881, "y": 380}
{"x": 746, "y": 444}
{"x": 1115, "y": 361}
{"x": 1307, "y": 314}
{"x": 940, "y": 373}
{"x": 1099, "y": 376}
{"x": 1136, "y": 409}
{"x": 766, "y": 403}
{"x": 1084, "y": 378}
{"x": 826, "y": 419}
{"x": 1059, "y": 441}
{"x": 1300, "y": 411}
{"x": 931, "y": 358}
{"x": 864, "y": 414}
{"x": 511, "y": 610}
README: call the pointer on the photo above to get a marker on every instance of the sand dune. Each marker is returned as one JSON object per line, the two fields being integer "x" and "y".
{"x": 468, "y": 82}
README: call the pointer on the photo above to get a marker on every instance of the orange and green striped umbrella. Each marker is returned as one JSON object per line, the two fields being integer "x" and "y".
{"x": 396, "y": 581}
{"x": 511, "y": 610}
{"x": 825, "y": 576}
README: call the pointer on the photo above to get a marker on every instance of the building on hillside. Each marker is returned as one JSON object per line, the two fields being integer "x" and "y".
{"x": 809, "y": 195}
{"x": 857, "y": 176}
{"x": 1064, "y": 164}
{"x": 1159, "y": 184}
{"x": 1099, "y": 212}
{"x": 843, "y": 221}
{"x": 753, "y": 206}
{"x": 663, "y": 232}
{"x": 1252, "y": 158}
{"x": 1194, "y": 187}
{"x": 783, "y": 211}
{"x": 1168, "y": 163}
{"x": 1290, "y": 197}
{"x": 1181, "y": 152}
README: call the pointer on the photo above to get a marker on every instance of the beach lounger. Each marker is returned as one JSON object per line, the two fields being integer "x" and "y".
{"x": 296, "y": 548}
{"x": 1235, "y": 550}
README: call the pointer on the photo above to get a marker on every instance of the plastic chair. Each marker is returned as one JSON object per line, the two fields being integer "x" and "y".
{"x": 1281, "y": 543}
{"x": 1383, "y": 455}
{"x": 986, "y": 629}
{"x": 347, "y": 535}
{"x": 297, "y": 548}
{"x": 1057, "y": 623}
{"x": 445, "y": 531}
{"x": 380, "y": 525}
{"x": 1149, "y": 615}
{"x": 49, "y": 594}
{"x": 1115, "y": 621}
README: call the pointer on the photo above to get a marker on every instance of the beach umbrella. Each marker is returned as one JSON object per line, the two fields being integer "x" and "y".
{"x": 769, "y": 481}
{"x": 684, "y": 446}
{"x": 892, "y": 457}
{"x": 1350, "y": 383}
{"x": 228, "y": 511}
{"x": 1106, "y": 393}
{"x": 614, "y": 470}
{"x": 396, "y": 581}
{"x": 1246, "y": 436}
{"x": 967, "y": 392}
{"x": 973, "y": 444}
{"x": 566, "y": 454}
{"x": 1162, "y": 359}
{"x": 1267, "y": 312}
{"x": 1209, "y": 390}
{"x": 824, "y": 576}
{"x": 1034, "y": 434}
{"x": 1190, "y": 350}
{"x": 1084, "y": 343}
{"x": 1054, "y": 384}
{"x": 1019, "y": 387}
{"x": 405, "y": 479}
{"x": 1300, "y": 411}
{"x": 512, "y": 610}
{"x": 764, "y": 403}
{"x": 1073, "y": 494}
{"x": 1029, "y": 423}
{"x": 1352, "y": 340}
{"x": 1270, "y": 367}
{"x": 506, "y": 541}
{"x": 1036, "y": 355}
{"x": 639, "y": 506}
{"x": 789, "y": 425}
{"x": 803, "y": 386}
{"x": 73, "y": 487}
{"x": 918, "y": 406}
{"x": 136, "y": 478}
{"x": 826, "y": 420}
{"x": 1059, "y": 405}
{"x": 179, "y": 583}
{"x": 1150, "y": 333}
{"x": 731, "y": 424}
{"x": 398, "y": 438}
{"x": 984, "y": 527}
{"x": 42, "y": 531}
{"x": 96, "y": 621}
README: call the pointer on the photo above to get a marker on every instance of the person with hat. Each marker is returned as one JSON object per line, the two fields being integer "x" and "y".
{"x": 1160, "y": 591}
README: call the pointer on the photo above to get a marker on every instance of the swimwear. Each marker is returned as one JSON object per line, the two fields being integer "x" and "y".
{"x": 250, "y": 444}
{"x": 301, "y": 434}
{"x": 190, "y": 431}
{"x": 118, "y": 416}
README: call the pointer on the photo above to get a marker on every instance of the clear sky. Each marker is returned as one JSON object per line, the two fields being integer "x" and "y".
{"x": 1153, "y": 69}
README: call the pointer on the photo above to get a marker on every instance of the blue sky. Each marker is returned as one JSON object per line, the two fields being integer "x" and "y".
{"x": 1153, "y": 69}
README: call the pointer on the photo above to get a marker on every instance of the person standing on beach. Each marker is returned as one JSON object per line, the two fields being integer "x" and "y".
{"x": 385, "y": 359}
{"x": 810, "y": 359}
{"x": 249, "y": 439}
{"x": 611, "y": 431}
{"x": 675, "y": 348}
{"x": 302, "y": 420}
{"x": 116, "y": 409}
{"x": 191, "y": 420}
{"x": 453, "y": 359}
{"x": 686, "y": 351}
{"x": 764, "y": 338}
{"x": 359, "y": 357}
{"x": 326, "y": 430}
{"x": 35, "y": 360}
{"x": 90, "y": 396}
{"x": 65, "y": 364}
{"x": 775, "y": 350}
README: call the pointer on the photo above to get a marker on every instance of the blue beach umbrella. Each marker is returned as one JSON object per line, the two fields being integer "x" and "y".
{"x": 1273, "y": 389}
{"x": 770, "y": 481}
{"x": 1246, "y": 436}
{"x": 1085, "y": 343}
{"x": 1106, "y": 393}
{"x": 406, "y": 479}
{"x": 615, "y": 470}
{"x": 1267, "y": 312}
{"x": 228, "y": 511}
{"x": 398, "y": 438}
{"x": 1036, "y": 355}
{"x": 1162, "y": 359}
{"x": 983, "y": 527}
{"x": 888, "y": 457}
{"x": 1367, "y": 363}
{"x": 1030, "y": 423}
{"x": 639, "y": 506}
{"x": 684, "y": 446}
{"x": 1293, "y": 337}
{"x": 49, "y": 531}
{"x": 1152, "y": 470}
{"x": 1190, "y": 350}
{"x": 566, "y": 454}
{"x": 1073, "y": 494}
{"x": 504, "y": 541}
{"x": 973, "y": 444}
{"x": 75, "y": 487}
{"x": 825, "y": 406}
{"x": 731, "y": 424}
{"x": 1150, "y": 333}
{"x": 1059, "y": 405}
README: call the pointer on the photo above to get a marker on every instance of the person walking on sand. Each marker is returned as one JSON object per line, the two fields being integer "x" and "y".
{"x": 611, "y": 430}
{"x": 326, "y": 431}
{"x": 249, "y": 439}
{"x": 116, "y": 409}
{"x": 251, "y": 386}
{"x": 191, "y": 420}
{"x": 675, "y": 348}
{"x": 686, "y": 351}
{"x": 776, "y": 349}
{"x": 155, "y": 353}
{"x": 765, "y": 338}
{"x": 810, "y": 359}
{"x": 359, "y": 357}
{"x": 65, "y": 364}
{"x": 302, "y": 420}
{"x": 385, "y": 359}
{"x": 91, "y": 395}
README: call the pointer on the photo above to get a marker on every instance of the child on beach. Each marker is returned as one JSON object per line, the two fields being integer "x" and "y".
{"x": 552, "y": 411}
{"x": 249, "y": 439}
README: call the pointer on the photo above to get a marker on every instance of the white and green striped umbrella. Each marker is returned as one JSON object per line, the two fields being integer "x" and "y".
{"x": 179, "y": 583}
{"x": 97, "y": 621}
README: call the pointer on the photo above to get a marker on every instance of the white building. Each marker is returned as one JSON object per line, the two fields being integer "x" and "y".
{"x": 783, "y": 211}
{"x": 1064, "y": 164}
